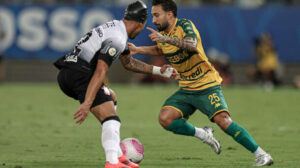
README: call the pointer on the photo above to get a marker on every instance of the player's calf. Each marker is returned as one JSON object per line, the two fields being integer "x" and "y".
{"x": 242, "y": 136}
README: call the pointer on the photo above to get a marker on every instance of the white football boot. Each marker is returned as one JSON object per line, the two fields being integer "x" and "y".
{"x": 211, "y": 141}
{"x": 263, "y": 160}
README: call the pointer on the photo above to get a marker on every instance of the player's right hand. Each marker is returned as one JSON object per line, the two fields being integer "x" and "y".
{"x": 166, "y": 68}
{"x": 82, "y": 113}
{"x": 133, "y": 49}
{"x": 174, "y": 74}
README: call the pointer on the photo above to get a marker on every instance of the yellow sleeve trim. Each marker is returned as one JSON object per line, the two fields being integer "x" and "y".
{"x": 175, "y": 109}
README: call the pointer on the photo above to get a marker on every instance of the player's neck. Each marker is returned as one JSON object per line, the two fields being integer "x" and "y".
{"x": 172, "y": 23}
{"x": 129, "y": 28}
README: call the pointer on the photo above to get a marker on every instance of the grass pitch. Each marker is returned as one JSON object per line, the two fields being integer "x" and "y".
{"x": 37, "y": 129}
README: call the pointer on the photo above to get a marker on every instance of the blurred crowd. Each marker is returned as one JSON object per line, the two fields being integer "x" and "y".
{"x": 242, "y": 3}
{"x": 267, "y": 71}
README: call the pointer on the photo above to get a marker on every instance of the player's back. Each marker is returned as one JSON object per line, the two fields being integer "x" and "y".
{"x": 87, "y": 50}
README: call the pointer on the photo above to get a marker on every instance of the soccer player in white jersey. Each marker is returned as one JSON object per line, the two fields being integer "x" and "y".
{"x": 82, "y": 72}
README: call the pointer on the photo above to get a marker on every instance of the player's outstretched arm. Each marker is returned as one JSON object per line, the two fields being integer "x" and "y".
{"x": 146, "y": 50}
{"x": 135, "y": 65}
{"x": 93, "y": 87}
{"x": 187, "y": 43}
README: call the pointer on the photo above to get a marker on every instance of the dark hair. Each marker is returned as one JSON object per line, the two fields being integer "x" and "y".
{"x": 136, "y": 11}
{"x": 167, "y": 5}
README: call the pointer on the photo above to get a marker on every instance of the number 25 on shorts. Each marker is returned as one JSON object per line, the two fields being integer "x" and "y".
{"x": 214, "y": 98}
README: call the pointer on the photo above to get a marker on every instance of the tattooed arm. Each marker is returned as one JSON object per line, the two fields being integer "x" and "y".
{"x": 135, "y": 65}
{"x": 187, "y": 43}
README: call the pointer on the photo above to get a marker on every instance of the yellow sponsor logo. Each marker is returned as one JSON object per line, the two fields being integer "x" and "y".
{"x": 218, "y": 105}
{"x": 192, "y": 75}
{"x": 178, "y": 57}
{"x": 237, "y": 133}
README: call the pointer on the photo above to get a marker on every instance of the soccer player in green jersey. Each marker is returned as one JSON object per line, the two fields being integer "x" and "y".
{"x": 180, "y": 42}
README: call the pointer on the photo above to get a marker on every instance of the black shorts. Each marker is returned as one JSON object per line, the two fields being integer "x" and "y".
{"x": 74, "y": 84}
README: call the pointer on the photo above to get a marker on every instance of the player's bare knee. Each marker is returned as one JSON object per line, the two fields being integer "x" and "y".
{"x": 164, "y": 120}
{"x": 223, "y": 120}
{"x": 167, "y": 116}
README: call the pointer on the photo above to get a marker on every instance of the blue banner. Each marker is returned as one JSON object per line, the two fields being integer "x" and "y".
{"x": 48, "y": 32}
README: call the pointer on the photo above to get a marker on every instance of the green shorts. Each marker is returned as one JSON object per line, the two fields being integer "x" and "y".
{"x": 209, "y": 101}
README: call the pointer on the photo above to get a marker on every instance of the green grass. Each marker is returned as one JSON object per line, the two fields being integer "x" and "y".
{"x": 37, "y": 129}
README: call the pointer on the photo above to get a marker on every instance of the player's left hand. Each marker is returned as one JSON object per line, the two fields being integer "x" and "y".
{"x": 82, "y": 112}
{"x": 133, "y": 49}
{"x": 156, "y": 36}
{"x": 165, "y": 67}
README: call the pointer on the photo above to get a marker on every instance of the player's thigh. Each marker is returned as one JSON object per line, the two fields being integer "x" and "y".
{"x": 104, "y": 110}
{"x": 73, "y": 83}
{"x": 102, "y": 103}
{"x": 103, "y": 94}
{"x": 177, "y": 106}
{"x": 210, "y": 101}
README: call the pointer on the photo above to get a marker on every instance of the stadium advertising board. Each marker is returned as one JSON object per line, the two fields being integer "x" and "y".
{"x": 47, "y": 32}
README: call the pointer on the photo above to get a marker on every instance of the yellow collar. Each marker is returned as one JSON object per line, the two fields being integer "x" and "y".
{"x": 168, "y": 34}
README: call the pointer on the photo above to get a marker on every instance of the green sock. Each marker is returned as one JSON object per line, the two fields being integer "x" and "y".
{"x": 181, "y": 127}
{"x": 241, "y": 135}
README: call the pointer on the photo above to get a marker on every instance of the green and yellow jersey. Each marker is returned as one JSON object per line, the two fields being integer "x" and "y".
{"x": 195, "y": 71}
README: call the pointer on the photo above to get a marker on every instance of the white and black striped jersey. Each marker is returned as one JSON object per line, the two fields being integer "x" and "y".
{"x": 107, "y": 42}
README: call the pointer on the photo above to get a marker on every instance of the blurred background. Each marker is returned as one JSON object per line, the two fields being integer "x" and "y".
{"x": 250, "y": 42}
{"x": 254, "y": 44}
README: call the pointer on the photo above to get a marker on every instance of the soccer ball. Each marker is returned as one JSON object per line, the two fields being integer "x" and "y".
{"x": 132, "y": 149}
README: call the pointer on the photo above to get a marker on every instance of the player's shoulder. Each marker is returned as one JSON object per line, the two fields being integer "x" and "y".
{"x": 116, "y": 42}
{"x": 113, "y": 26}
{"x": 184, "y": 22}
{"x": 117, "y": 22}
{"x": 118, "y": 33}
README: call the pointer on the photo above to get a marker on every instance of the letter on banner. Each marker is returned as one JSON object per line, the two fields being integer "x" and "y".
{"x": 62, "y": 23}
{"x": 7, "y": 29}
{"x": 32, "y": 28}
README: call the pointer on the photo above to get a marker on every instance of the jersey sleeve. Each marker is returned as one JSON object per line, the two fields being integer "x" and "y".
{"x": 188, "y": 28}
{"x": 110, "y": 50}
